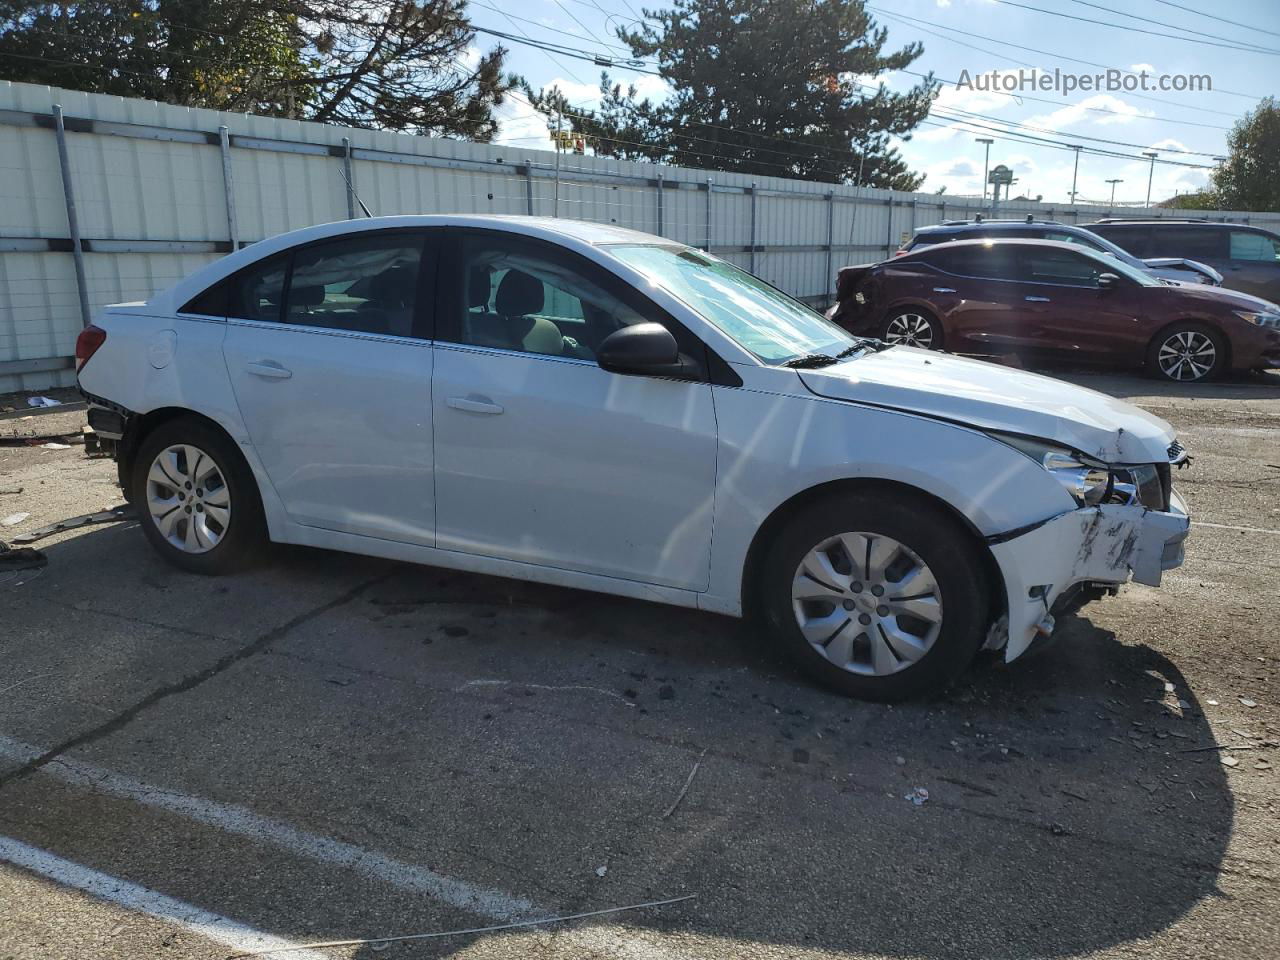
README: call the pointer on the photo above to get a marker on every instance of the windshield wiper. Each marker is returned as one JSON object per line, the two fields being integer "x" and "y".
{"x": 809, "y": 360}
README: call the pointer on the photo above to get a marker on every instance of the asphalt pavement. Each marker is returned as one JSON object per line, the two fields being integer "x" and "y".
{"x": 330, "y": 747}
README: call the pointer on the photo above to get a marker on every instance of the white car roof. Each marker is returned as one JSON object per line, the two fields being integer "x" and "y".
{"x": 570, "y": 233}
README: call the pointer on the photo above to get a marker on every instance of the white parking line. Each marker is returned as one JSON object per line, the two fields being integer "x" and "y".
{"x": 211, "y": 926}
{"x": 244, "y": 822}
{"x": 1228, "y": 526}
{"x": 608, "y": 940}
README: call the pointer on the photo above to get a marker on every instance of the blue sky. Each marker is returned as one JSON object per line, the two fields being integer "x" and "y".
{"x": 1167, "y": 122}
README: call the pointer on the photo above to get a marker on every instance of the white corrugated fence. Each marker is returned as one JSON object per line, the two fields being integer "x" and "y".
{"x": 159, "y": 190}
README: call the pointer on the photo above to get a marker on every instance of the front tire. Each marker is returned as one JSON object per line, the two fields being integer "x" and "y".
{"x": 196, "y": 498}
{"x": 912, "y": 327}
{"x": 877, "y": 596}
{"x": 1187, "y": 353}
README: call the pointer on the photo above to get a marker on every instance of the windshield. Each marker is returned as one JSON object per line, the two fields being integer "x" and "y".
{"x": 760, "y": 318}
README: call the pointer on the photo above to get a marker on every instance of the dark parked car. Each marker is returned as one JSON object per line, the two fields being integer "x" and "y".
{"x": 1044, "y": 297}
{"x": 1179, "y": 269}
{"x": 1247, "y": 257}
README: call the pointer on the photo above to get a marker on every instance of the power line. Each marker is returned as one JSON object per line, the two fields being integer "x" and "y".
{"x": 1049, "y": 53}
{"x": 1121, "y": 26}
{"x": 599, "y": 59}
{"x": 543, "y": 26}
{"x": 1234, "y": 23}
{"x": 1213, "y": 36}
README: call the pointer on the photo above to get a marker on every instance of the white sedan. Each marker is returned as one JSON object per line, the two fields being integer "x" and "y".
{"x": 578, "y": 404}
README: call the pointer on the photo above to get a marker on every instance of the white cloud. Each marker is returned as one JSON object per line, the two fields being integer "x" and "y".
{"x": 1139, "y": 67}
{"x": 1086, "y": 110}
{"x": 520, "y": 125}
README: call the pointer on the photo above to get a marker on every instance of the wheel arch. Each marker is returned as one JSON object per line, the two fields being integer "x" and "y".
{"x": 141, "y": 425}
{"x": 776, "y": 520}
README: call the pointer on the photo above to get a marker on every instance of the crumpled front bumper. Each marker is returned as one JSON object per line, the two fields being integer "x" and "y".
{"x": 1092, "y": 545}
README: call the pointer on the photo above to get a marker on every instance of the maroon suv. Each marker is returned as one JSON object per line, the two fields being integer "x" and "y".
{"x": 1044, "y": 297}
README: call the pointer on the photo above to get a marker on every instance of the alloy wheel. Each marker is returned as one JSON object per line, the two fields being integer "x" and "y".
{"x": 867, "y": 603}
{"x": 910, "y": 330}
{"x": 1187, "y": 355}
{"x": 188, "y": 498}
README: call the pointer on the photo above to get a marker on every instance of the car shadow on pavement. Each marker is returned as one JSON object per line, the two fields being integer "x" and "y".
{"x": 536, "y": 740}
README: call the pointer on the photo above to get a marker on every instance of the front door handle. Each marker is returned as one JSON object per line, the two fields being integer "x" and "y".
{"x": 1036, "y": 299}
{"x": 475, "y": 404}
{"x": 943, "y": 290}
{"x": 269, "y": 369}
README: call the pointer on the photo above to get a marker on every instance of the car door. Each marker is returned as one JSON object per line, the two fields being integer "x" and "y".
{"x": 543, "y": 457}
{"x": 973, "y": 290}
{"x": 1066, "y": 308}
{"x": 329, "y": 354}
{"x": 1254, "y": 264}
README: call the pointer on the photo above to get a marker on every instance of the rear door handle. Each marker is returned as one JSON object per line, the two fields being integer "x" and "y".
{"x": 943, "y": 290}
{"x": 1036, "y": 299}
{"x": 269, "y": 369}
{"x": 475, "y": 405}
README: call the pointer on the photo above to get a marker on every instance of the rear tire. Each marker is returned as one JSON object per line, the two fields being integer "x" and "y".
{"x": 1187, "y": 353}
{"x": 912, "y": 327}
{"x": 877, "y": 596}
{"x": 196, "y": 498}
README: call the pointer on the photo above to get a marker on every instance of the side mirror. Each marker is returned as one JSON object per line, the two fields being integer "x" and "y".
{"x": 642, "y": 348}
{"x": 1108, "y": 281}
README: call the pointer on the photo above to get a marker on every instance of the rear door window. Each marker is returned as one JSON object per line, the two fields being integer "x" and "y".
{"x": 258, "y": 291}
{"x": 994, "y": 262}
{"x": 1193, "y": 243}
{"x": 365, "y": 283}
{"x": 1135, "y": 239}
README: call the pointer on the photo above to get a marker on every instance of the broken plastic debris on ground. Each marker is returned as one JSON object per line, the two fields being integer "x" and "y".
{"x": 918, "y": 796}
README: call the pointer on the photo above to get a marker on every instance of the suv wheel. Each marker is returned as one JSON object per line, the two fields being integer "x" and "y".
{"x": 913, "y": 327}
{"x": 1187, "y": 353}
{"x": 880, "y": 597}
{"x": 196, "y": 498}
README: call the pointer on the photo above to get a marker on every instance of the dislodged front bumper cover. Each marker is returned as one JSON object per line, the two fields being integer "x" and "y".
{"x": 1096, "y": 544}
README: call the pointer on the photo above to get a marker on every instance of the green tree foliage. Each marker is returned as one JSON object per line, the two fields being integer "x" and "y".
{"x": 389, "y": 64}
{"x": 1249, "y": 179}
{"x": 763, "y": 87}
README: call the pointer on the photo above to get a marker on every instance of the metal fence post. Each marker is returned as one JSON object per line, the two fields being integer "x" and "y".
{"x": 710, "y": 187}
{"x": 528, "y": 185}
{"x": 77, "y": 248}
{"x": 753, "y": 228}
{"x": 660, "y": 201}
{"x": 228, "y": 187}
{"x": 888, "y": 229}
{"x": 831, "y": 231}
{"x": 349, "y": 177}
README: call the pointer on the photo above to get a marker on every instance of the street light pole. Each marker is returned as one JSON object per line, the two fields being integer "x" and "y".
{"x": 986, "y": 164}
{"x": 1113, "y": 193}
{"x": 1152, "y": 175}
{"x": 1074, "y": 171}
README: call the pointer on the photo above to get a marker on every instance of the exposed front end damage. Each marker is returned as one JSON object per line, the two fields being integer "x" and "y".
{"x": 1091, "y": 548}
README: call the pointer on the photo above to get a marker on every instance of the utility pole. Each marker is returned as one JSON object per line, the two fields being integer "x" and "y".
{"x": 1113, "y": 193}
{"x": 1074, "y": 171}
{"x": 555, "y": 207}
{"x": 986, "y": 164}
{"x": 1152, "y": 175}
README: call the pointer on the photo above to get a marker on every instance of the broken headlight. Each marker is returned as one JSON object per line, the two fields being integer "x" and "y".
{"x": 1091, "y": 482}
{"x": 1088, "y": 481}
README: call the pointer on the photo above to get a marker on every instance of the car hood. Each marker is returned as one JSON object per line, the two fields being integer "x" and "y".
{"x": 1222, "y": 297}
{"x": 992, "y": 397}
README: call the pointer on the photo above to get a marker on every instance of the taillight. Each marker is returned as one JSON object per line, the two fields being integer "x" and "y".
{"x": 87, "y": 344}
{"x": 901, "y": 253}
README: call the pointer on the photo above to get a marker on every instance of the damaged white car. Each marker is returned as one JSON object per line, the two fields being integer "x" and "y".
{"x": 582, "y": 405}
